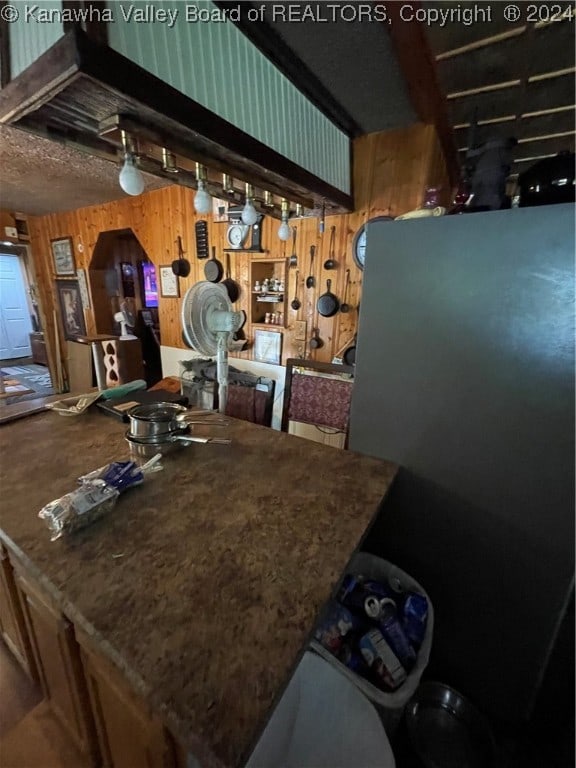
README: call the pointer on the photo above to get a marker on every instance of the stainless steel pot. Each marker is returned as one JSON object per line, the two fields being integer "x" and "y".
{"x": 164, "y": 419}
{"x": 445, "y": 729}
{"x": 165, "y": 443}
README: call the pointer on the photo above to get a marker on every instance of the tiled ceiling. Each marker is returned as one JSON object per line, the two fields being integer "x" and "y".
{"x": 40, "y": 176}
{"x": 516, "y": 79}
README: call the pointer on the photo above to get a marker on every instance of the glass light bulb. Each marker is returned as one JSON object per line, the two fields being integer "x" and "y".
{"x": 249, "y": 213}
{"x": 130, "y": 178}
{"x": 284, "y": 230}
{"x": 202, "y": 199}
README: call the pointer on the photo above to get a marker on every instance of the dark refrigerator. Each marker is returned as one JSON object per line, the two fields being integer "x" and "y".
{"x": 465, "y": 377}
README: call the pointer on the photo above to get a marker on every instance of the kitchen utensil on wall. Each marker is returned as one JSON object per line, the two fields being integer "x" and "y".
{"x": 201, "y": 229}
{"x": 311, "y": 280}
{"x": 293, "y": 261}
{"x": 213, "y": 269}
{"x": 328, "y": 303}
{"x": 345, "y": 307}
{"x": 296, "y": 303}
{"x": 231, "y": 285}
{"x": 180, "y": 266}
{"x": 330, "y": 262}
{"x": 349, "y": 356}
{"x": 316, "y": 342}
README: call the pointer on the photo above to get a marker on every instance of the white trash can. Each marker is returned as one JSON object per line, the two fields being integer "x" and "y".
{"x": 390, "y": 706}
{"x": 322, "y": 721}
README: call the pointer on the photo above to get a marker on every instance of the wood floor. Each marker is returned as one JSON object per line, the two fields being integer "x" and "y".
{"x": 30, "y": 736}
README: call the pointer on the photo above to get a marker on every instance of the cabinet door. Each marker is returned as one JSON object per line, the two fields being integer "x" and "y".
{"x": 128, "y": 736}
{"x": 59, "y": 667}
{"x": 12, "y": 625}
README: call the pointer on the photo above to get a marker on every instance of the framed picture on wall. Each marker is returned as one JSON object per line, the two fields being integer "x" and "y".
{"x": 63, "y": 256}
{"x": 71, "y": 311}
{"x": 169, "y": 285}
{"x": 268, "y": 347}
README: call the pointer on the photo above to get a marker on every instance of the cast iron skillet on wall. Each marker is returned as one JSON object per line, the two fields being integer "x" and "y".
{"x": 328, "y": 305}
{"x": 213, "y": 269}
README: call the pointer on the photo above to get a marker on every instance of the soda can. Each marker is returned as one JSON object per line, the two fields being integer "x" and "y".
{"x": 414, "y": 617}
{"x": 394, "y": 633}
{"x": 353, "y": 660}
{"x": 381, "y": 659}
{"x": 334, "y": 627}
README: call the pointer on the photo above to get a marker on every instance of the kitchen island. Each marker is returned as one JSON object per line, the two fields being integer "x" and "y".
{"x": 200, "y": 589}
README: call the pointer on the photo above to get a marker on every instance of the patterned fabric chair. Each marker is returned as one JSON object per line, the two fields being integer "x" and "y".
{"x": 318, "y": 394}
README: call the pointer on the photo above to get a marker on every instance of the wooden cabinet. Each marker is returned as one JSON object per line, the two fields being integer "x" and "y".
{"x": 107, "y": 722}
{"x": 12, "y": 625}
{"x": 128, "y": 736}
{"x": 38, "y": 346}
{"x": 58, "y": 662}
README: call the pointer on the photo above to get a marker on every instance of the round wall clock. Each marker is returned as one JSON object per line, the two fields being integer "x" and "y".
{"x": 359, "y": 244}
{"x": 236, "y": 235}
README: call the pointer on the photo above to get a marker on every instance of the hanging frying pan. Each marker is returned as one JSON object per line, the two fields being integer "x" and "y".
{"x": 180, "y": 266}
{"x": 315, "y": 342}
{"x": 213, "y": 269}
{"x": 231, "y": 285}
{"x": 328, "y": 304}
{"x": 349, "y": 357}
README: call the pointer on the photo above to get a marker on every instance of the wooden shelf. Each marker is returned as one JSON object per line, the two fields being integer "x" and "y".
{"x": 242, "y": 250}
{"x": 270, "y": 327}
{"x": 262, "y": 303}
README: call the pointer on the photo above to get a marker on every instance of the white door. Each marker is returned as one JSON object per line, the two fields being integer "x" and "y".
{"x": 15, "y": 323}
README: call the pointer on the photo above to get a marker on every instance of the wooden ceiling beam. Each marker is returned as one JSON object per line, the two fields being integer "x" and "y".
{"x": 418, "y": 66}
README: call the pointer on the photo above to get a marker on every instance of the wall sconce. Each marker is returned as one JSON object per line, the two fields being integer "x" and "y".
{"x": 284, "y": 229}
{"x": 130, "y": 177}
{"x": 249, "y": 213}
{"x": 202, "y": 199}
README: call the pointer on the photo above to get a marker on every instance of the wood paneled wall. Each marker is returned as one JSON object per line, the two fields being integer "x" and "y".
{"x": 391, "y": 172}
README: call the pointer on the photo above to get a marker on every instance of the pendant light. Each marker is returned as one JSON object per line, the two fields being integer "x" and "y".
{"x": 268, "y": 201}
{"x": 202, "y": 199}
{"x": 284, "y": 230}
{"x": 249, "y": 213}
{"x": 130, "y": 177}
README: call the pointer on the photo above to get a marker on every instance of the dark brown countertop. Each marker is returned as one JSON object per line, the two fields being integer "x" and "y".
{"x": 203, "y": 584}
